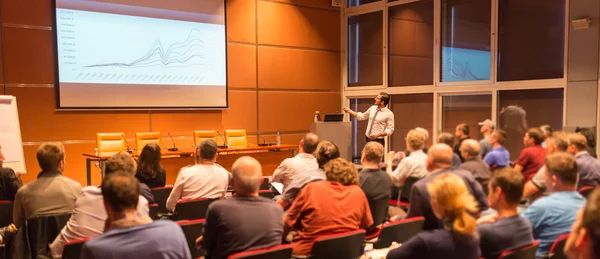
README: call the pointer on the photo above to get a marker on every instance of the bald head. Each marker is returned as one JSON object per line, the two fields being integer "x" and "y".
{"x": 469, "y": 149}
{"x": 439, "y": 156}
{"x": 247, "y": 174}
{"x": 309, "y": 143}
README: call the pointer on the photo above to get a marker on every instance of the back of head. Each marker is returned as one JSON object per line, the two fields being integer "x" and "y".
{"x": 536, "y": 134}
{"x": 449, "y": 193}
{"x": 373, "y": 152}
{"x": 440, "y": 156}
{"x": 121, "y": 161}
{"x": 149, "y": 161}
{"x": 560, "y": 139}
{"x": 446, "y": 138}
{"x": 416, "y": 139}
{"x": 326, "y": 151}
{"x": 563, "y": 166}
{"x": 385, "y": 98}
{"x": 471, "y": 147}
{"x": 546, "y": 130}
{"x": 464, "y": 128}
{"x": 510, "y": 182}
{"x": 341, "y": 171}
{"x": 49, "y": 155}
{"x": 500, "y": 136}
{"x": 207, "y": 150}
{"x": 310, "y": 142}
{"x": 589, "y": 134}
{"x": 120, "y": 191}
{"x": 247, "y": 175}
{"x": 578, "y": 140}
{"x": 591, "y": 220}
{"x": 424, "y": 131}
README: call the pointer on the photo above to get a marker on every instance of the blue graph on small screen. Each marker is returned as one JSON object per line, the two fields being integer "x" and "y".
{"x": 465, "y": 64}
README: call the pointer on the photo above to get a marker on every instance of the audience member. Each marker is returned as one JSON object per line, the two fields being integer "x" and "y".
{"x": 588, "y": 167}
{"x": 245, "y": 221}
{"x": 498, "y": 156}
{"x": 123, "y": 161}
{"x": 590, "y": 135}
{"x": 426, "y": 133}
{"x": 414, "y": 165}
{"x": 552, "y": 215}
{"x": 507, "y": 229}
{"x": 487, "y": 127}
{"x": 559, "y": 142}
{"x": 439, "y": 159}
{"x": 461, "y": 133}
{"x": 327, "y": 207}
{"x": 448, "y": 139}
{"x": 129, "y": 234}
{"x": 532, "y": 156}
{"x": 584, "y": 240}
{"x": 9, "y": 183}
{"x": 149, "y": 170}
{"x": 325, "y": 152}
{"x": 305, "y": 160}
{"x": 547, "y": 133}
{"x": 469, "y": 150}
{"x": 51, "y": 192}
{"x": 88, "y": 218}
{"x": 451, "y": 203}
{"x": 375, "y": 182}
{"x": 205, "y": 179}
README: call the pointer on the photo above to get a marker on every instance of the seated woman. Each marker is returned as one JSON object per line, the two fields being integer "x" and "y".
{"x": 337, "y": 205}
{"x": 149, "y": 170}
{"x": 452, "y": 203}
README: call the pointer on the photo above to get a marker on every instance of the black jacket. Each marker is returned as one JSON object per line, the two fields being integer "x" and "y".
{"x": 9, "y": 184}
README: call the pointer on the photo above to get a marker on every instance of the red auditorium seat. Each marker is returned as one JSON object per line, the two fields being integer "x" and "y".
{"x": 275, "y": 252}
{"x": 524, "y": 252}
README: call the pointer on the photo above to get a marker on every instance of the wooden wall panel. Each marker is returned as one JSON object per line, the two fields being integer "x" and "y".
{"x": 310, "y": 3}
{"x": 241, "y": 20}
{"x": 25, "y": 61}
{"x": 287, "y": 68}
{"x": 242, "y": 111}
{"x": 40, "y": 122}
{"x": 288, "y": 25}
{"x": 293, "y": 111}
{"x": 241, "y": 65}
{"x": 28, "y": 12}
{"x": 182, "y": 123}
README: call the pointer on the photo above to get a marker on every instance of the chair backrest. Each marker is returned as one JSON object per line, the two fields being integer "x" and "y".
{"x": 399, "y": 231}
{"x": 110, "y": 142}
{"x": 266, "y": 193}
{"x": 408, "y": 183}
{"x": 202, "y": 135}
{"x": 379, "y": 210}
{"x": 236, "y": 138}
{"x": 6, "y": 211}
{"x": 153, "y": 210}
{"x": 265, "y": 184}
{"x": 275, "y": 252}
{"x": 557, "y": 249}
{"x": 144, "y": 138}
{"x": 161, "y": 194}
{"x": 192, "y": 209}
{"x": 73, "y": 248}
{"x": 484, "y": 184}
{"x": 192, "y": 229}
{"x": 42, "y": 230}
{"x": 524, "y": 252}
{"x": 585, "y": 190}
{"x": 343, "y": 245}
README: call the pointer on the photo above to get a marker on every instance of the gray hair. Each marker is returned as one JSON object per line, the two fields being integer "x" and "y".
{"x": 247, "y": 175}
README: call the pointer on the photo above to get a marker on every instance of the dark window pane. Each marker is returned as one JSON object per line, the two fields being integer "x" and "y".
{"x": 469, "y": 109}
{"x": 411, "y": 111}
{"x": 365, "y": 49}
{"x": 465, "y": 53}
{"x": 519, "y": 110}
{"x": 531, "y": 39}
{"x": 352, "y": 3}
{"x": 411, "y": 44}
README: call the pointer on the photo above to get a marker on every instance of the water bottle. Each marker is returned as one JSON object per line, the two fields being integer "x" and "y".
{"x": 278, "y": 139}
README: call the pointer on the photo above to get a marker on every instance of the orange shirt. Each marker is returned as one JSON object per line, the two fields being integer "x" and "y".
{"x": 324, "y": 208}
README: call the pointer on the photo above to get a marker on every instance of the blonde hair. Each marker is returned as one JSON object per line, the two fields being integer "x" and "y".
{"x": 451, "y": 194}
{"x": 341, "y": 171}
{"x": 578, "y": 140}
{"x": 373, "y": 152}
{"x": 416, "y": 139}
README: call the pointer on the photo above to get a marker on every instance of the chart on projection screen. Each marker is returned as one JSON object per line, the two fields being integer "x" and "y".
{"x": 124, "y": 49}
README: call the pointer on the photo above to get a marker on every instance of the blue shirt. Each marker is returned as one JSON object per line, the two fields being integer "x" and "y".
{"x": 589, "y": 169}
{"x": 161, "y": 239}
{"x": 497, "y": 157}
{"x": 552, "y": 216}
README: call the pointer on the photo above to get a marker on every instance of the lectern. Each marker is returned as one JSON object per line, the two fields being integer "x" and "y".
{"x": 340, "y": 133}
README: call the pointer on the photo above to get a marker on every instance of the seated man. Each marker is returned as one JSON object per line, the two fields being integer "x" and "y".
{"x": 531, "y": 158}
{"x": 327, "y": 207}
{"x": 584, "y": 240}
{"x": 414, "y": 164}
{"x": 305, "y": 160}
{"x": 376, "y": 183}
{"x": 439, "y": 161}
{"x": 448, "y": 139}
{"x": 553, "y": 215}
{"x": 9, "y": 183}
{"x": 89, "y": 216}
{"x": 245, "y": 221}
{"x": 588, "y": 167}
{"x": 469, "y": 150}
{"x": 507, "y": 229}
{"x": 498, "y": 156}
{"x": 129, "y": 234}
{"x": 205, "y": 179}
{"x": 123, "y": 161}
{"x": 325, "y": 152}
{"x": 559, "y": 142}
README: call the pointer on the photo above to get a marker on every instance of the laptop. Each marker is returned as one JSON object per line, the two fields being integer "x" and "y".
{"x": 334, "y": 117}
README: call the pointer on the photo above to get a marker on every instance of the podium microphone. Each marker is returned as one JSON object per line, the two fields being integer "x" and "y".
{"x": 127, "y": 143}
{"x": 224, "y": 142}
{"x": 264, "y": 144}
{"x": 174, "y": 148}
